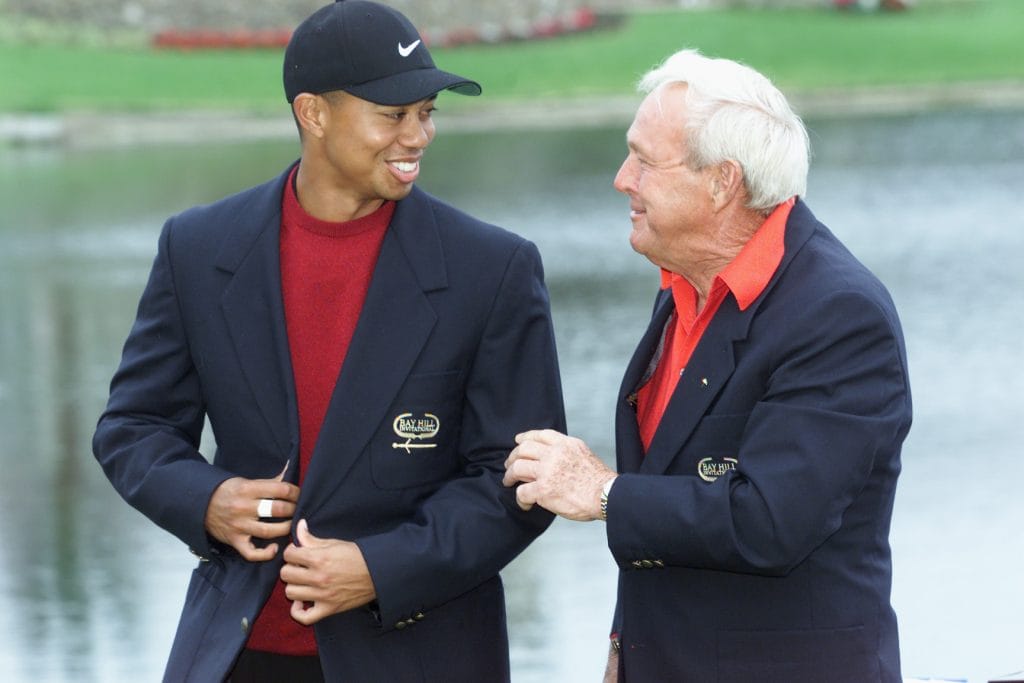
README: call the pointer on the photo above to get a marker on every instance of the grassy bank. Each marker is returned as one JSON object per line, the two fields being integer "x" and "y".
{"x": 939, "y": 41}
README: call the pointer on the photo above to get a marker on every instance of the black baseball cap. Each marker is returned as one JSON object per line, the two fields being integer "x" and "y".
{"x": 368, "y": 50}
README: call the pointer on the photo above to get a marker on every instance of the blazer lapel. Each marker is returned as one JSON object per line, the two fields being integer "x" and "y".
{"x": 253, "y": 308}
{"x": 714, "y": 360}
{"x": 627, "y": 431}
{"x": 394, "y": 325}
{"x": 708, "y": 370}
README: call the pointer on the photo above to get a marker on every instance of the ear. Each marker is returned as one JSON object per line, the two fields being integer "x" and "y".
{"x": 727, "y": 183}
{"x": 309, "y": 111}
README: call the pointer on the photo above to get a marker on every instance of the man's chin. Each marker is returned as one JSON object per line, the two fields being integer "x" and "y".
{"x": 399, "y": 193}
{"x": 637, "y": 242}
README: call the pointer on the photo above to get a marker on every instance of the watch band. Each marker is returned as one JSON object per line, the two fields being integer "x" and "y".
{"x": 605, "y": 490}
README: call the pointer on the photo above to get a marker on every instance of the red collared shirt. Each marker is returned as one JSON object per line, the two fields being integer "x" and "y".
{"x": 746, "y": 276}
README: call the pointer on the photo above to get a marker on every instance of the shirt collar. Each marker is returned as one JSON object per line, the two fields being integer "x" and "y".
{"x": 748, "y": 274}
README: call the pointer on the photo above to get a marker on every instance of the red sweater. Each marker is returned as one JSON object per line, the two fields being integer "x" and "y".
{"x": 325, "y": 274}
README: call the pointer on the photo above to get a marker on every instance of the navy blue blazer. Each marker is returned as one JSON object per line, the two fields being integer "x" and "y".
{"x": 752, "y": 539}
{"x": 454, "y": 351}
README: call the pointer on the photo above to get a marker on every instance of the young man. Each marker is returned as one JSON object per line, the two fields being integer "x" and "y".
{"x": 364, "y": 354}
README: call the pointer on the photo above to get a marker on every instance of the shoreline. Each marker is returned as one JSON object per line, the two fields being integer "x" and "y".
{"x": 97, "y": 130}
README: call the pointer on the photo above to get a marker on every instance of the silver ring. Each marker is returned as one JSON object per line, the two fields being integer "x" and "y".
{"x": 265, "y": 509}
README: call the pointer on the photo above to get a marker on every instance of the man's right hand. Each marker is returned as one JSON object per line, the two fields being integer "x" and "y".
{"x": 611, "y": 669}
{"x": 233, "y": 518}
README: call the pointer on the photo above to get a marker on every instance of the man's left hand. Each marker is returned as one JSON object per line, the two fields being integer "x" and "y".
{"x": 558, "y": 472}
{"x": 324, "y": 576}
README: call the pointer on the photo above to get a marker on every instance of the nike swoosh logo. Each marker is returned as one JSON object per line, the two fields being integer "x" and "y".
{"x": 406, "y": 51}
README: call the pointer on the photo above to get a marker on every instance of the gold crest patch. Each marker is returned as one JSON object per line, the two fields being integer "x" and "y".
{"x": 413, "y": 427}
{"x": 710, "y": 469}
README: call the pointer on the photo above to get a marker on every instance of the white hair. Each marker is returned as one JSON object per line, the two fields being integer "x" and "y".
{"x": 735, "y": 113}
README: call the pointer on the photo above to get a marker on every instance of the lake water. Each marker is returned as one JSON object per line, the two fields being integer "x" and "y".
{"x": 90, "y": 590}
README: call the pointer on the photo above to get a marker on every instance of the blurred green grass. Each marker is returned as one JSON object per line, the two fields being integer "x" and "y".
{"x": 936, "y": 42}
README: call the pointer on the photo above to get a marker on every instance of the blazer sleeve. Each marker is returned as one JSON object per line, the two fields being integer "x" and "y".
{"x": 147, "y": 439}
{"x": 471, "y": 527}
{"x": 828, "y": 425}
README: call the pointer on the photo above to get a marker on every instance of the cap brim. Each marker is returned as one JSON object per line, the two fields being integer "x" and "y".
{"x": 412, "y": 86}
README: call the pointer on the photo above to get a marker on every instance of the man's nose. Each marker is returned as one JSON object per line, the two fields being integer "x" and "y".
{"x": 625, "y": 179}
{"x": 417, "y": 133}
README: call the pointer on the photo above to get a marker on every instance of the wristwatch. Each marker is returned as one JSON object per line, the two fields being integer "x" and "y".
{"x": 605, "y": 490}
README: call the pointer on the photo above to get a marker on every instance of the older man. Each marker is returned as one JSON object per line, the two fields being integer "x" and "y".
{"x": 760, "y": 420}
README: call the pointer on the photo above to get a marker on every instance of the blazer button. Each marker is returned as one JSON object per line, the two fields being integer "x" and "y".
{"x": 419, "y": 616}
{"x": 400, "y": 625}
{"x": 245, "y": 624}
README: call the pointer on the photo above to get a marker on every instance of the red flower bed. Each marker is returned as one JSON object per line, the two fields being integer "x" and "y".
{"x": 207, "y": 39}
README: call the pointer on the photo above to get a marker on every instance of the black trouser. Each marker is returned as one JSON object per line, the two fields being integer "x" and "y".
{"x": 254, "y": 666}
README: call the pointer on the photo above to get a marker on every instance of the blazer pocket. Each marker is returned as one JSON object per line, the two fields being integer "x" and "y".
{"x": 713, "y": 448}
{"x": 840, "y": 655}
{"x": 417, "y": 444}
